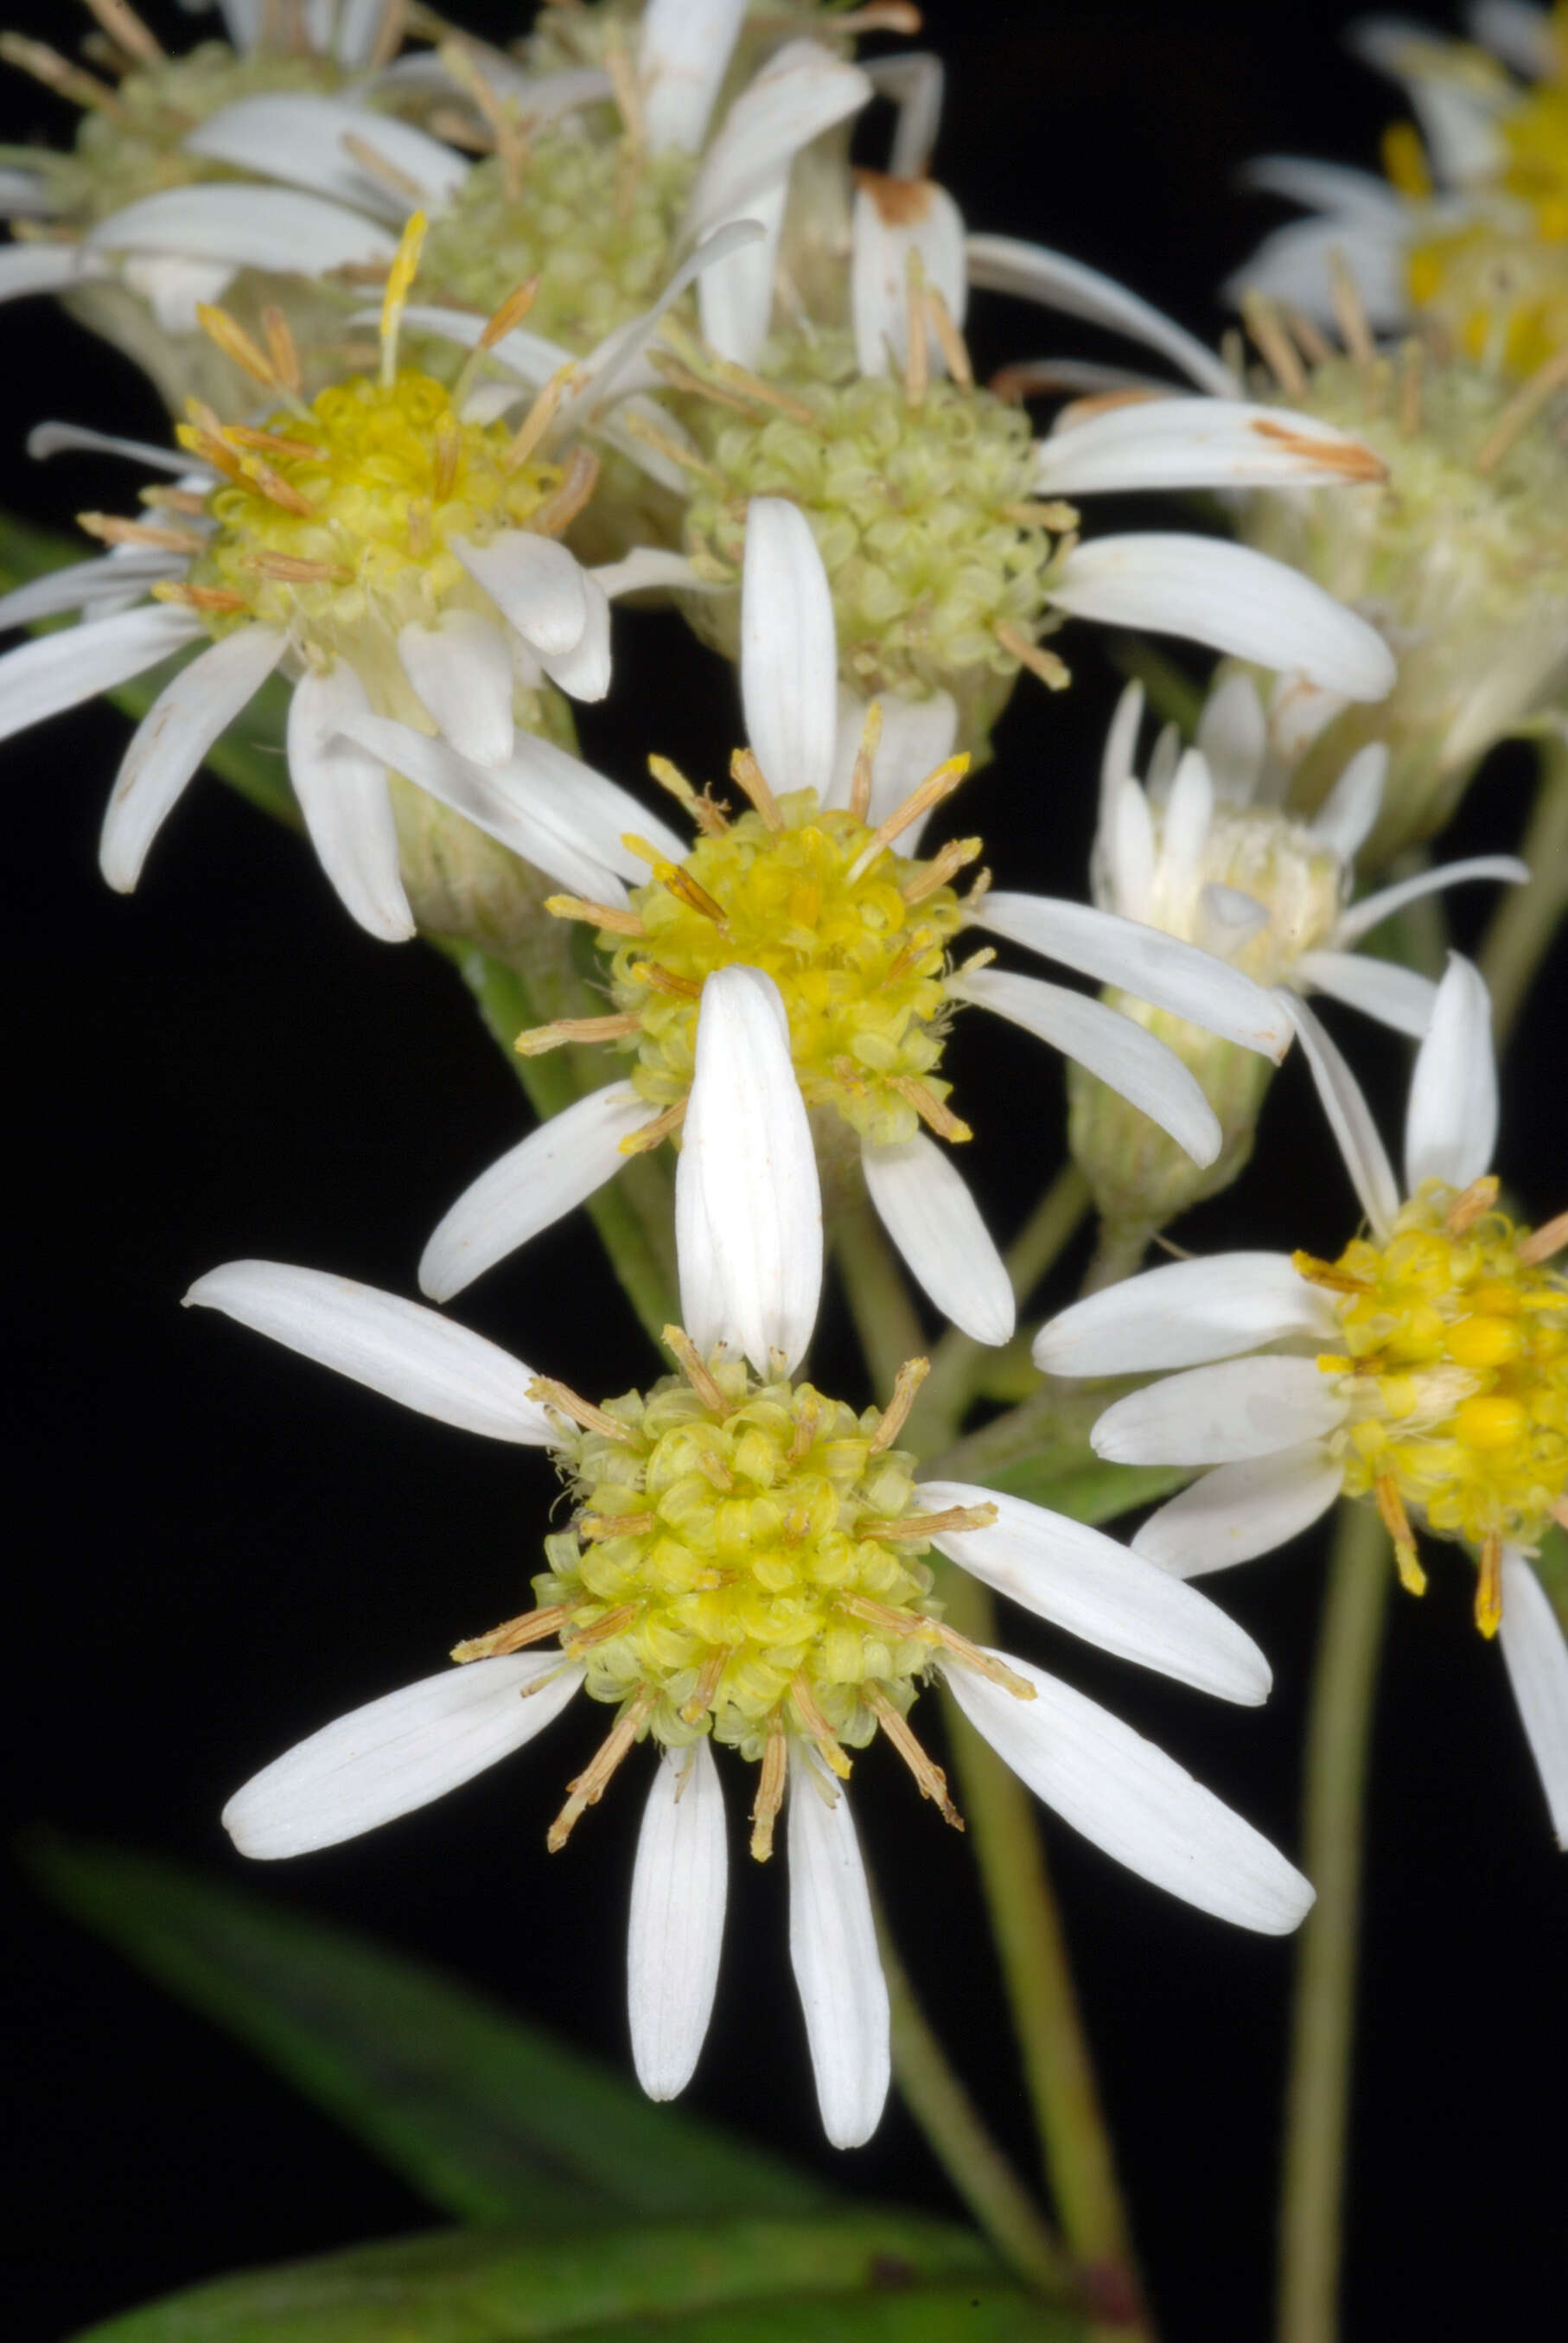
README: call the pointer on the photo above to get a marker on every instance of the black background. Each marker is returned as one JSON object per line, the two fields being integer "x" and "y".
{"x": 218, "y": 1548}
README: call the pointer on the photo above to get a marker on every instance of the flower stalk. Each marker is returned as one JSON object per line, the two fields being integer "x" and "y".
{"x": 1525, "y": 923}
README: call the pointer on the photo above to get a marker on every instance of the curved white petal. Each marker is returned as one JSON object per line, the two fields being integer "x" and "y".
{"x": 833, "y": 1952}
{"x": 589, "y": 805}
{"x": 1518, "y": 33}
{"x": 735, "y": 296}
{"x": 923, "y": 1202}
{"x": 27, "y": 269}
{"x": 1221, "y": 1414}
{"x": 398, "y": 1754}
{"x": 1536, "y": 1658}
{"x": 748, "y": 1208}
{"x": 1006, "y": 265}
{"x": 1146, "y": 963}
{"x": 683, "y": 51}
{"x": 649, "y": 569}
{"x": 914, "y": 81}
{"x": 1294, "y": 265}
{"x": 1384, "y": 989}
{"x": 788, "y": 651}
{"x": 1198, "y": 443}
{"x": 56, "y": 439}
{"x": 1373, "y": 910}
{"x": 1344, "y": 821}
{"x": 916, "y": 735}
{"x": 1085, "y": 1582}
{"x": 535, "y": 583}
{"x": 1232, "y": 737}
{"x": 392, "y": 1346}
{"x": 1117, "y": 758}
{"x": 1451, "y": 1122}
{"x": 583, "y": 672}
{"x": 678, "y": 1889}
{"x": 1188, "y": 1314}
{"x": 59, "y": 671}
{"x": 532, "y": 1186}
{"x": 461, "y": 669}
{"x": 1326, "y": 187}
{"x": 347, "y": 804}
{"x": 80, "y": 584}
{"x": 173, "y": 738}
{"x": 893, "y": 220}
{"x": 617, "y": 366}
{"x": 1240, "y": 1511}
{"x": 301, "y": 139}
{"x": 245, "y": 227}
{"x": 1134, "y": 1064}
{"x": 1128, "y": 1797}
{"x": 1350, "y": 1119}
{"x": 1231, "y": 598}
{"x": 801, "y": 91}
{"x": 1126, "y": 855}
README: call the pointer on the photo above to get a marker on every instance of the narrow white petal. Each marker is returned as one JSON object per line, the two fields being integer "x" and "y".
{"x": 392, "y": 1346}
{"x": 748, "y": 1208}
{"x": 1240, "y": 1511}
{"x": 1140, "y": 960}
{"x": 1198, "y": 443}
{"x": 914, "y": 81}
{"x": 27, "y": 269}
{"x": 302, "y": 139}
{"x": 583, "y": 672}
{"x": 1185, "y": 1314}
{"x": 1128, "y": 1797}
{"x": 532, "y": 1186}
{"x": 683, "y": 51}
{"x": 246, "y": 226}
{"x": 1116, "y": 763}
{"x": 1231, "y": 598}
{"x": 1128, "y": 855}
{"x": 789, "y": 652}
{"x": 1188, "y": 816}
{"x": 1344, "y": 821}
{"x": 1227, "y": 919}
{"x": 347, "y": 804}
{"x": 1451, "y": 1122}
{"x": 173, "y": 738}
{"x": 649, "y": 569}
{"x": 923, "y": 1202}
{"x": 359, "y": 25}
{"x": 735, "y": 296}
{"x": 22, "y": 194}
{"x": 833, "y": 1952}
{"x": 1085, "y": 1582}
{"x": 54, "y": 439}
{"x": 80, "y": 584}
{"x": 242, "y": 22}
{"x": 1516, "y": 32}
{"x": 75, "y": 663}
{"x": 1326, "y": 187}
{"x": 1536, "y": 1658}
{"x": 918, "y": 735}
{"x": 590, "y": 805}
{"x": 618, "y": 367}
{"x": 920, "y": 218}
{"x": 461, "y": 669}
{"x": 1350, "y": 1120}
{"x": 1005, "y": 265}
{"x": 1382, "y": 989}
{"x": 1294, "y": 265}
{"x": 1121, "y": 1053}
{"x": 801, "y": 91}
{"x": 175, "y": 288}
{"x": 1221, "y": 1414}
{"x": 1373, "y": 910}
{"x": 677, "y": 1896}
{"x": 534, "y": 582}
{"x": 396, "y": 1754}
{"x": 1233, "y": 736}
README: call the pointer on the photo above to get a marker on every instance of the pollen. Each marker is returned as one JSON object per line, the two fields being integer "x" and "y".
{"x": 1454, "y": 1355}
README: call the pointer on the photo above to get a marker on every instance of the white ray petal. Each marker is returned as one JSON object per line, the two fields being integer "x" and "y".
{"x": 1516, "y": 32}
{"x": 923, "y": 1202}
{"x": 1006, "y": 265}
{"x": 1294, "y": 265}
{"x": 1146, "y": 963}
{"x": 24, "y": 193}
{"x": 788, "y": 651}
{"x": 246, "y": 226}
{"x": 1231, "y": 598}
{"x": 833, "y": 1952}
{"x": 532, "y": 1186}
{"x": 54, "y": 439}
{"x": 1451, "y": 1122}
{"x": 588, "y": 803}
{"x": 348, "y": 807}
{"x": 1233, "y": 736}
{"x": 27, "y": 269}
{"x": 1344, "y": 821}
{"x": 1240, "y": 1511}
{"x": 242, "y": 22}
{"x": 396, "y": 1347}
{"x": 461, "y": 669}
{"x": 534, "y": 582}
{"x": 735, "y": 296}
{"x": 173, "y": 738}
{"x": 1350, "y": 1120}
{"x": 914, "y": 81}
{"x": 678, "y": 1889}
{"x": 1127, "y": 855}
{"x": 618, "y": 367}
{"x": 1384, "y": 989}
{"x": 398, "y": 1754}
{"x": 918, "y": 735}
{"x": 583, "y": 672}
{"x": 1221, "y": 1414}
{"x": 302, "y": 139}
{"x": 1323, "y": 186}
{"x": 1134, "y": 1064}
{"x": 649, "y": 569}
{"x": 801, "y": 91}
{"x": 683, "y": 51}
{"x": 79, "y": 585}
{"x": 358, "y": 27}
{"x": 1121, "y": 751}
{"x": 1373, "y": 910}
{"x": 1187, "y": 1313}
{"x": 1085, "y": 1582}
{"x": 894, "y": 220}
{"x": 748, "y": 1208}
{"x": 1536, "y": 1658}
{"x": 1196, "y": 443}
{"x": 1128, "y": 1797}
{"x": 1188, "y": 817}
{"x": 61, "y": 669}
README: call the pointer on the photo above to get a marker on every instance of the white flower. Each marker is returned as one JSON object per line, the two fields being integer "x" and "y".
{"x": 802, "y": 1512}
{"x": 1427, "y": 1369}
{"x": 809, "y": 887}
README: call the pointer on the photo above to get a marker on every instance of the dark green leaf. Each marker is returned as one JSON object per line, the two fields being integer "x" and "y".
{"x": 489, "y": 2119}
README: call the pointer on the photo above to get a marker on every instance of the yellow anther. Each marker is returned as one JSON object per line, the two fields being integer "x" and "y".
{"x": 394, "y": 300}
{"x": 1489, "y": 1586}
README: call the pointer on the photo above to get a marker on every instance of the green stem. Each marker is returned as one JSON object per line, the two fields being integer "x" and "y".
{"x": 878, "y": 1299}
{"x": 1318, "y": 2095}
{"x": 1527, "y": 921}
{"x": 974, "y": 2164}
{"x": 1080, "y": 2164}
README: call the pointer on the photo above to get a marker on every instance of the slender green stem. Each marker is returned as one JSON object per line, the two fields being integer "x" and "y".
{"x": 1080, "y": 2164}
{"x": 874, "y": 1287}
{"x": 1318, "y": 2095}
{"x": 1528, "y": 918}
{"x": 979, "y": 2171}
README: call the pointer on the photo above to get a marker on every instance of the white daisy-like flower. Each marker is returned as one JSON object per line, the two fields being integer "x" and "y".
{"x": 817, "y": 884}
{"x": 1425, "y": 1370}
{"x": 743, "y": 1567}
{"x": 398, "y": 559}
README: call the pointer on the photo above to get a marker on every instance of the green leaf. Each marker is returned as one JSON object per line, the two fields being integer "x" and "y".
{"x": 1069, "y": 1478}
{"x": 851, "y": 2277}
{"x": 489, "y": 2119}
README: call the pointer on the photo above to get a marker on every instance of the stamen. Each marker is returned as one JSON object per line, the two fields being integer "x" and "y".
{"x": 540, "y": 1038}
{"x": 1262, "y": 323}
{"x": 695, "y": 1368}
{"x": 1396, "y": 1521}
{"x": 711, "y": 1468}
{"x": 950, "y": 341}
{"x": 109, "y": 530}
{"x": 1470, "y": 1206}
{"x": 933, "y": 1782}
{"x": 901, "y": 1624}
{"x": 421, "y": 528}
{"x": 1030, "y": 512}
{"x": 917, "y": 355}
{"x": 297, "y": 570}
{"x": 44, "y": 64}
{"x": 1053, "y": 672}
{"x": 769, "y": 1791}
{"x": 818, "y": 1727}
{"x": 580, "y": 478}
{"x": 1409, "y": 373}
{"x": 1329, "y": 1275}
{"x": 370, "y": 159}
{"x": 599, "y": 1528}
{"x": 704, "y": 1690}
{"x": 1352, "y": 462}
{"x": 943, "y": 868}
{"x": 661, "y": 980}
{"x": 681, "y": 378}
{"x": 230, "y": 337}
{"x": 399, "y": 283}
{"x": 936, "y": 786}
{"x": 602, "y": 1631}
{"x": 269, "y": 443}
{"x": 865, "y": 758}
{"x": 709, "y": 816}
{"x": 748, "y": 775}
{"x": 931, "y": 1110}
{"x": 623, "y": 85}
{"x": 512, "y": 1634}
{"x": 927, "y": 1525}
{"x": 1521, "y": 410}
{"x": 456, "y": 56}
{"x": 537, "y": 421}
{"x": 1350, "y": 313}
{"x": 447, "y": 456}
{"x": 808, "y": 1424}
{"x": 679, "y": 882}
{"x": 1489, "y": 1587}
{"x": 124, "y": 27}
{"x": 639, "y": 427}
{"x": 180, "y": 501}
{"x": 1542, "y": 1242}
{"x": 1314, "y": 344}
{"x": 608, "y": 916}
{"x": 653, "y": 1135}
{"x": 551, "y": 1392}
{"x": 895, "y": 1415}
{"x": 594, "y": 1778}
{"x": 197, "y": 598}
